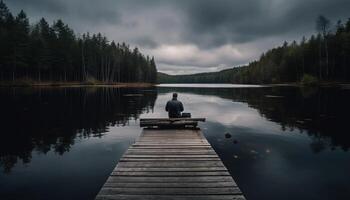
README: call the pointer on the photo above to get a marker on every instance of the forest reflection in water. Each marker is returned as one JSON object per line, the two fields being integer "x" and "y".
{"x": 56, "y": 120}
{"x": 44, "y": 119}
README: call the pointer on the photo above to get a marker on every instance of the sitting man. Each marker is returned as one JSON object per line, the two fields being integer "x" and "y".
{"x": 174, "y": 107}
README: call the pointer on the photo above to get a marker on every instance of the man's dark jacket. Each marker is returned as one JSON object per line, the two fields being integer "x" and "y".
{"x": 174, "y": 107}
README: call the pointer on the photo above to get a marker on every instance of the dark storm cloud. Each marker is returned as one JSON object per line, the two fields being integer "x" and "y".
{"x": 208, "y": 23}
{"x": 195, "y": 33}
{"x": 85, "y": 11}
{"x": 39, "y": 5}
{"x": 213, "y": 23}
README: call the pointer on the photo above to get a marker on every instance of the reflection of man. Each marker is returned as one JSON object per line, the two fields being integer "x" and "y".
{"x": 174, "y": 107}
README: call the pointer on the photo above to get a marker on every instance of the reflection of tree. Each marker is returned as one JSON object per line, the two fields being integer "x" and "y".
{"x": 321, "y": 113}
{"x": 317, "y": 145}
{"x": 51, "y": 119}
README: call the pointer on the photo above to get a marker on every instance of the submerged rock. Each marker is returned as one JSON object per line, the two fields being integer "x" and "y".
{"x": 228, "y": 135}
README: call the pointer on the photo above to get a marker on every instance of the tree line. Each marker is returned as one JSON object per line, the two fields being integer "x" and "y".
{"x": 324, "y": 57}
{"x": 44, "y": 52}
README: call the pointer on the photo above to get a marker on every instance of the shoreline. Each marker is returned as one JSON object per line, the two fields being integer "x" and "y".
{"x": 75, "y": 84}
{"x": 291, "y": 84}
{"x": 141, "y": 84}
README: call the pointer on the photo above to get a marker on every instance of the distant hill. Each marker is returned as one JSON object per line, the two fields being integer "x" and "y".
{"x": 234, "y": 75}
{"x": 224, "y": 76}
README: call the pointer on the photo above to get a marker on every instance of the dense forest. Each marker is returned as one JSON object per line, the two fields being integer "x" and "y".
{"x": 44, "y": 52}
{"x": 323, "y": 57}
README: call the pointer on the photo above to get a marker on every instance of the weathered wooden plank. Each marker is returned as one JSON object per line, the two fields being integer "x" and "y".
{"x": 176, "y": 164}
{"x": 183, "y": 148}
{"x": 168, "y": 150}
{"x": 193, "y": 153}
{"x": 170, "y": 197}
{"x": 167, "y": 159}
{"x": 202, "y": 146}
{"x": 166, "y": 136}
{"x": 177, "y": 135}
{"x": 169, "y": 169}
{"x": 165, "y": 185}
{"x": 170, "y": 174}
{"x": 174, "y": 123}
{"x": 172, "y": 119}
{"x": 194, "y": 138}
{"x": 182, "y": 179}
{"x": 171, "y": 145}
{"x": 173, "y": 133}
{"x": 205, "y": 147}
{"x": 148, "y": 131}
{"x": 191, "y": 135}
{"x": 171, "y": 140}
{"x": 170, "y": 191}
{"x": 171, "y": 150}
{"x": 171, "y": 153}
{"x": 170, "y": 156}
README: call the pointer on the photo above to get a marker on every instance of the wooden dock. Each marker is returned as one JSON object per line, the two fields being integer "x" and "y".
{"x": 170, "y": 164}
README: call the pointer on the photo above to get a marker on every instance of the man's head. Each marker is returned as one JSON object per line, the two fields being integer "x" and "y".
{"x": 174, "y": 95}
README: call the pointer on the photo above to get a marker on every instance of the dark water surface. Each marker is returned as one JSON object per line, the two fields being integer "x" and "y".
{"x": 286, "y": 142}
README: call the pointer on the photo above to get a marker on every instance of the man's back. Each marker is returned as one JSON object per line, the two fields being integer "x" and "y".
{"x": 174, "y": 107}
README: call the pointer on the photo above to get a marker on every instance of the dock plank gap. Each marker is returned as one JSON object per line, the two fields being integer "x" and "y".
{"x": 170, "y": 161}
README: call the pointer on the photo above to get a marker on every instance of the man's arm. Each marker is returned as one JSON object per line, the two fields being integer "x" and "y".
{"x": 167, "y": 106}
{"x": 181, "y": 107}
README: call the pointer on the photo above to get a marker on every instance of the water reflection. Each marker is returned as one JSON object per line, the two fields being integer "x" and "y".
{"x": 46, "y": 119}
{"x": 293, "y": 139}
{"x": 320, "y": 113}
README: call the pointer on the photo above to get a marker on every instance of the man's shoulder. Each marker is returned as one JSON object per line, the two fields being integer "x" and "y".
{"x": 174, "y": 101}
{"x": 179, "y": 102}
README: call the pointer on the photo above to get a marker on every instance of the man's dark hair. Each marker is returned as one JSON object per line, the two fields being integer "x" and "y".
{"x": 174, "y": 95}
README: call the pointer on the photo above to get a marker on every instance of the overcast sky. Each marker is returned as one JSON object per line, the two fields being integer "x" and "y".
{"x": 191, "y": 36}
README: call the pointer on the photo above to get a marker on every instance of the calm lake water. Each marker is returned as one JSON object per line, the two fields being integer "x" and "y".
{"x": 286, "y": 142}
